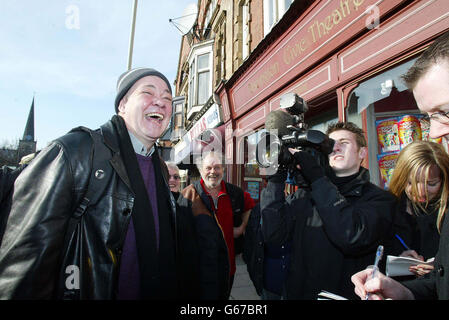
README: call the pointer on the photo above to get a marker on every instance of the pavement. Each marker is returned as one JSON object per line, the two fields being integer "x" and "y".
{"x": 243, "y": 288}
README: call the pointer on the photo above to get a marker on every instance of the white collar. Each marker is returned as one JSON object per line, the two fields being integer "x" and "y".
{"x": 138, "y": 146}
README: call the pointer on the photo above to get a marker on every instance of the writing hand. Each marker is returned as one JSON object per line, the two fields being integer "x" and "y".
{"x": 411, "y": 254}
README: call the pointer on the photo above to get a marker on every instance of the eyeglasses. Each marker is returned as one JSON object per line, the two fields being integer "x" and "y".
{"x": 174, "y": 176}
{"x": 441, "y": 117}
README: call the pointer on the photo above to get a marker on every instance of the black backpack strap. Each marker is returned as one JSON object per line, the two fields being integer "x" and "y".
{"x": 99, "y": 177}
{"x": 203, "y": 196}
{"x": 100, "y": 171}
{"x": 237, "y": 202}
{"x": 238, "y": 208}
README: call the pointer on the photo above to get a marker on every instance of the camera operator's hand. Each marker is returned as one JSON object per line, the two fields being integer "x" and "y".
{"x": 309, "y": 166}
{"x": 279, "y": 177}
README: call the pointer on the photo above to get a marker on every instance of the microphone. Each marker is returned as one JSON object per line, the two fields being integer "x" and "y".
{"x": 279, "y": 120}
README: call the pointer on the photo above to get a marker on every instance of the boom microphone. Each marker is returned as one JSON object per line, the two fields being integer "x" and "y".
{"x": 279, "y": 120}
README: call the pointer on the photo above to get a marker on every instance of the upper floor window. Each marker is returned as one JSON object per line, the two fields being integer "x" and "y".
{"x": 210, "y": 11}
{"x": 200, "y": 79}
{"x": 245, "y": 29}
{"x": 273, "y": 12}
{"x": 203, "y": 78}
{"x": 178, "y": 114}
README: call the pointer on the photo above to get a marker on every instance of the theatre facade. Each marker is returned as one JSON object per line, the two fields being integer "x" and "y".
{"x": 345, "y": 58}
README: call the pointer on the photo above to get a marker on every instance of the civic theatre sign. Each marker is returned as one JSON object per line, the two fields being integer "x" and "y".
{"x": 325, "y": 27}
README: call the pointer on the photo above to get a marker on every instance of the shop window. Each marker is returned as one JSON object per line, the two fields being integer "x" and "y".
{"x": 322, "y": 111}
{"x": 273, "y": 12}
{"x": 393, "y": 119}
{"x": 323, "y": 120}
{"x": 252, "y": 180}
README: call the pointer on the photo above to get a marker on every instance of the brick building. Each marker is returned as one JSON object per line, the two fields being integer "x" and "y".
{"x": 344, "y": 57}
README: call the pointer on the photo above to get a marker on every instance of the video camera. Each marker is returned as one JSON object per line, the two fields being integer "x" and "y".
{"x": 287, "y": 129}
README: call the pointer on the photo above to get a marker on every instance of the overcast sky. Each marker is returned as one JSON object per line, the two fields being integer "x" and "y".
{"x": 69, "y": 54}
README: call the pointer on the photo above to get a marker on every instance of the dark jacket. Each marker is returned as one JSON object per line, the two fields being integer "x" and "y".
{"x": 419, "y": 231}
{"x": 435, "y": 285}
{"x": 267, "y": 264}
{"x": 35, "y": 252}
{"x": 7, "y": 178}
{"x": 334, "y": 232}
{"x": 214, "y": 258}
{"x": 253, "y": 250}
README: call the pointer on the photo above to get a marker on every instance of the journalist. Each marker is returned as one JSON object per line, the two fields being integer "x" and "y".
{"x": 337, "y": 221}
{"x": 428, "y": 78}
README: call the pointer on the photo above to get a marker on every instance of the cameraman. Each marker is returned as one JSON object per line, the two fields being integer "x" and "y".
{"x": 335, "y": 225}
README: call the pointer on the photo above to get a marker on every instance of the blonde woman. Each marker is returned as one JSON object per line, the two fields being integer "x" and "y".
{"x": 421, "y": 183}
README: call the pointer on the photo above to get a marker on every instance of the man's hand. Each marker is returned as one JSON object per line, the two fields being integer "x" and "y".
{"x": 238, "y": 231}
{"x": 380, "y": 287}
{"x": 308, "y": 165}
{"x": 279, "y": 177}
{"x": 420, "y": 269}
{"x": 411, "y": 254}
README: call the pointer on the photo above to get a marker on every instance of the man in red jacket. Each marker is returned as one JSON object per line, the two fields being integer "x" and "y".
{"x": 222, "y": 211}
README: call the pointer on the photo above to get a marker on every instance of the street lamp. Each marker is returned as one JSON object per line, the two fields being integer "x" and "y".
{"x": 131, "y": 37}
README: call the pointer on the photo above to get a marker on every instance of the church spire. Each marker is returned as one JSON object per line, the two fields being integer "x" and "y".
{"x": 28, "y": 134}
{"x": 27, "y": 145}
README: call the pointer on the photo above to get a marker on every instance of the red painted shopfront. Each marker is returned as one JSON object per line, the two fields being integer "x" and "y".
{"x": 345, "y": 58}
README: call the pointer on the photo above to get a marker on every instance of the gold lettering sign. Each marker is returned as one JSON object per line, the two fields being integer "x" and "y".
{"x": 318, "y": 31}
{"x": 265, "y": 77}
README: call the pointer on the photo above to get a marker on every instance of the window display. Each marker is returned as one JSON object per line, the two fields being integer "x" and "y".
{"x": 392, "y": 119}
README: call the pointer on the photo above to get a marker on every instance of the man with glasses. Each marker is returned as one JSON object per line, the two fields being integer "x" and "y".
{"x": 428, "y": 78}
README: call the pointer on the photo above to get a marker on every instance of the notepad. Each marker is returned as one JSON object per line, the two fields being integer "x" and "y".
{"x": 398, "y": 266}
{"x": 325, "y": 295}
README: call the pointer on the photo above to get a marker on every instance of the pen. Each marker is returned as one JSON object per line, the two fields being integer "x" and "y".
{"x": 379, "y": 253}
{"x": 402, "y": 242}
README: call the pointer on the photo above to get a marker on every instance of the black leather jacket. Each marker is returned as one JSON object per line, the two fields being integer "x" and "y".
{"x": 34, "y": 256}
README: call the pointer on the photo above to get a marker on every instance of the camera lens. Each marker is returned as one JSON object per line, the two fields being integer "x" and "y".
{"x": 267, "y": 151}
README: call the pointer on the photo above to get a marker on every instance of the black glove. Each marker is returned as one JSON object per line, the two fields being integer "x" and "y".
{"x": 279, "y": 177}
{"x": 310, "y": 168}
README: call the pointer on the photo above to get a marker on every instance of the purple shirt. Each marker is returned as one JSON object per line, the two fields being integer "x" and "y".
{"x": 129, "y": 277}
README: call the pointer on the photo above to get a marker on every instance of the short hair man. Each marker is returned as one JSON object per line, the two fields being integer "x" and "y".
{"x": 428, "y": 78}
{"x": 337, "y": 222}
{"x": 222, "y": 210}
{"x": 123, "y": 246}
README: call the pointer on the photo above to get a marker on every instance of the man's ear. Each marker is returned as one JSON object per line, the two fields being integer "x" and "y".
{"x": 363, "y": 151}
{"x": 122, "y": 104}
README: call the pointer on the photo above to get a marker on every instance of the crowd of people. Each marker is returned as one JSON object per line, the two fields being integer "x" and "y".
{"x": 109, "y": 219}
